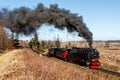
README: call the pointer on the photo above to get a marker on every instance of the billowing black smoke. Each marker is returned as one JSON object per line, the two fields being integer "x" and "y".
{"x": 26, "y": 20}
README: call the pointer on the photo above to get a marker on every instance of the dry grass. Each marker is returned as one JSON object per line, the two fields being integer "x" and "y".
{"x": 27, "y": 65}
{"x": 110, "y": 59}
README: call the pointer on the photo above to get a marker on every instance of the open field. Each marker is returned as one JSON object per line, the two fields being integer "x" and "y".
{"x": 109, "y": 52}
{"x": 24, "y": 64}
{"x": 110, "y": 59}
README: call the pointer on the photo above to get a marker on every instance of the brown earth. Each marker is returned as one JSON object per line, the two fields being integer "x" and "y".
{"x": 24, "y": 64}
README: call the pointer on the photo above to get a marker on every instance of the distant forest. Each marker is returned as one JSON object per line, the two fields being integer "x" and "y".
{"x": 109, "y": 41}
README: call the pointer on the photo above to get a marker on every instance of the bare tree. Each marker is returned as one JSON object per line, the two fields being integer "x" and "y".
{"x": 57, "y": 43}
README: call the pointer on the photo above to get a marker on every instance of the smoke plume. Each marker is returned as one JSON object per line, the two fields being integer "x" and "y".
{"x": 26, "y": 20}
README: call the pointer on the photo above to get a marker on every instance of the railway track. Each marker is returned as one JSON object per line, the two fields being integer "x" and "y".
{"x": 109, "y": 72}
{"x": 101, "y": 70}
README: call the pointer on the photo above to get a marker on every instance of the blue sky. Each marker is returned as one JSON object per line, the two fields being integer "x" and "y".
{"x": 101, "y": 16}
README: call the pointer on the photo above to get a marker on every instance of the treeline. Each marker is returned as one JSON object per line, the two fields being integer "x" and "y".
{"x": 10, "y": 42}
{"x": 113, "y": 41}
{"x": 5, "y": 41}
{"x": 41, "y": 46}
{"x": 109, "y": 41}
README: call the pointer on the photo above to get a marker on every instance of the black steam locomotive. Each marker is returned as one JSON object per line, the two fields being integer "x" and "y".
{"x": 88, "y": 57}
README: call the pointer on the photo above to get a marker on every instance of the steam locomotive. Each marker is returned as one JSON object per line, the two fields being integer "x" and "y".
{"x": 88, "y": 57}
